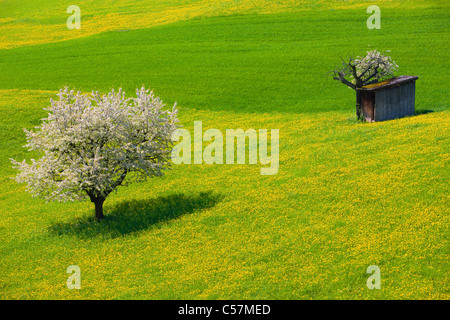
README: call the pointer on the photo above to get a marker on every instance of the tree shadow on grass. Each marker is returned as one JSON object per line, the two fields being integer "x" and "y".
{"x": 133, "y": 216}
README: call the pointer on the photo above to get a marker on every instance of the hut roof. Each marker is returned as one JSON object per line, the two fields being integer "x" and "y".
{"x": 388, "y": 83}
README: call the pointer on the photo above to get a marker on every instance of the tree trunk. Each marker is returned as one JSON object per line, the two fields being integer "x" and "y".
{"x": 358, "y": 105}
{"x": 99, "y": 208}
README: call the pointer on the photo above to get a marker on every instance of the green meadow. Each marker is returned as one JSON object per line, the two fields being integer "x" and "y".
{"x": 347, "y": 194}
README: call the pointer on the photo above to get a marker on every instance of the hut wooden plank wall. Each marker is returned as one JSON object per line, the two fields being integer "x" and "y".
{"x": 390, "y": 99}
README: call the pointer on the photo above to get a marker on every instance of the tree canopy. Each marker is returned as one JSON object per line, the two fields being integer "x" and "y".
{"x": 361, "y": 71}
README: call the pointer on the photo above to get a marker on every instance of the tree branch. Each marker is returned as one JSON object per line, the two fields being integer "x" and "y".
{"x": 371, "y": 76}
{"x": 346, "y": 82}
{"x": 121, "y": 178}
{"x": 364, "y": 72}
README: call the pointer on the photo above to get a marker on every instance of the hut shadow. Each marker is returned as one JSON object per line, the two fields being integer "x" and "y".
{"x": 418, "y": 112}
{"x": 130, "y": 217}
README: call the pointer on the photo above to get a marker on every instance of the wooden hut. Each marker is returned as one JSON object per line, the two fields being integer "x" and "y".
{"x": 390, "y": 99}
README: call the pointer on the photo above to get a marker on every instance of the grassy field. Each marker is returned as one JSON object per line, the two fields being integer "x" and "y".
{"x": 347, "y": 195}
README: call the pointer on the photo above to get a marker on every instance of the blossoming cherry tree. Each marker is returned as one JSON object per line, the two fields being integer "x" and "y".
{"x": 91, "y": 144}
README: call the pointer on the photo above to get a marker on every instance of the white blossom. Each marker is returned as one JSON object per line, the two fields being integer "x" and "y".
{"x": 376, "y": 63}
{"x": 91, "y": 144}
